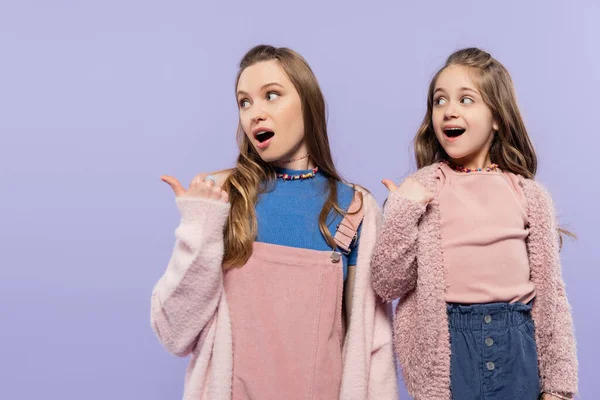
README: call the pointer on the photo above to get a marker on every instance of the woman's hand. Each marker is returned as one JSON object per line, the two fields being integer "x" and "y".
{"x": 202, "y": 186}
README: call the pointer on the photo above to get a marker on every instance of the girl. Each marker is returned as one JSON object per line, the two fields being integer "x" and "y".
{"x": 265, "y": 252}
{"x": 470, "y": 246}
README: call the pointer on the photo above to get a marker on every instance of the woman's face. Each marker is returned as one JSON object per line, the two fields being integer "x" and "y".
{"x": 271, "y": 112}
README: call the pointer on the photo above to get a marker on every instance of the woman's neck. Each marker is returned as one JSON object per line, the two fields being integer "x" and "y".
{"x": 296, "y": 160}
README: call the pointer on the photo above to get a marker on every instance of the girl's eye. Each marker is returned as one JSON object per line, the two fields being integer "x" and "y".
{"x": 440, "y": 101}
{"x": 272, "y": 96}
{"x": 467, "y": 100}
{"x": 244, "y": 103}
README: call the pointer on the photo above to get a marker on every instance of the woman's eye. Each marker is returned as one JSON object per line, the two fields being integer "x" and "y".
{"x": 272, "y": 96}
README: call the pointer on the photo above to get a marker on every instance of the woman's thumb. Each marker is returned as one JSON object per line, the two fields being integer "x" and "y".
{"x": 174, "y": 183}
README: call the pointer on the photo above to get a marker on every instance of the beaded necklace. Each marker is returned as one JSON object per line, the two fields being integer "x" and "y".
{"x": 460, "y": 168}
{"x": 289, "y": 177}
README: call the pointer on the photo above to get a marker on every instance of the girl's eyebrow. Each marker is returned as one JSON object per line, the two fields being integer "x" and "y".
{"x": 468, "y": 89}
{"x": 464, "y": 89}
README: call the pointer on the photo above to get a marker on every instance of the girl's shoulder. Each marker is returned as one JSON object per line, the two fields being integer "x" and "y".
{"x": 536, "y": 193}
{"x": 427, "y": 176}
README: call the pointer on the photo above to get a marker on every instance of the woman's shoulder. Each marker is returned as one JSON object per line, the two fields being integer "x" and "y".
{"x": 368, "y": 201}
{"x": 352, "y": 189}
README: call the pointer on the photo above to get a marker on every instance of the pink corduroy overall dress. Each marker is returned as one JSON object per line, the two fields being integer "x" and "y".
{"x": 286, "y": 316}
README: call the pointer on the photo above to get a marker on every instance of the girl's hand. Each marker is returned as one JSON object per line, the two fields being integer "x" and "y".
{"x": 410, "y": 189}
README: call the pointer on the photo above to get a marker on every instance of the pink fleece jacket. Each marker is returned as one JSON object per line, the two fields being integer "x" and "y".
{"x": 408, "y": 264}
{"x": 190, "y": 314}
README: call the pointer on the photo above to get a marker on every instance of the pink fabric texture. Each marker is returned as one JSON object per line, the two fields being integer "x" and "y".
{"x": 408, "y": 264}
{"x": 483, "y": 216}
{"x": 190, "y": 311}
{"x": 286, "y": 314}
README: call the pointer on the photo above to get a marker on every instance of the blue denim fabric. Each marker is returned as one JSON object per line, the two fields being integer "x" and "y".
{"x": 494, "y": 355}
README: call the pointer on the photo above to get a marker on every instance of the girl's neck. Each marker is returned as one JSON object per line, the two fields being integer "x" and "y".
{"x": 478, "y": 162}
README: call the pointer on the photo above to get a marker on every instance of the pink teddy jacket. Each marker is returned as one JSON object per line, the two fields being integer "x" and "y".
{"x": 408, "y": 264}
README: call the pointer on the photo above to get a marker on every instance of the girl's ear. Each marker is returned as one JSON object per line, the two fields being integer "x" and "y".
{"x": 495, "y": 126}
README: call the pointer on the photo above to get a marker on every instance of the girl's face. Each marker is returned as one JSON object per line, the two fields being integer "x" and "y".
{"x": 462, "y": 122}
{"x": 271, "y": 112}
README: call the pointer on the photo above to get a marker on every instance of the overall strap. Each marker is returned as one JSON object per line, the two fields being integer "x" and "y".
{"x": 347, "y": 229}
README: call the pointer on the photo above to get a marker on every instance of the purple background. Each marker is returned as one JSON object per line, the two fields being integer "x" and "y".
{"x": 99, "y": 98}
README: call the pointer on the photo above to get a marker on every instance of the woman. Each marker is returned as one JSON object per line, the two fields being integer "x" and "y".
{"x": 269, "y": 284}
